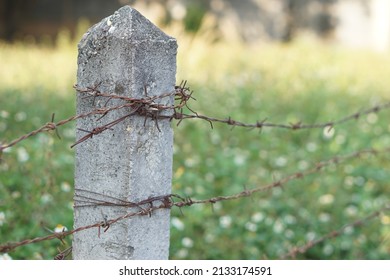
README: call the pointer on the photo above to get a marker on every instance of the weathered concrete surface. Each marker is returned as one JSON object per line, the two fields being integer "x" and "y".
{"x": 132, "y": 161}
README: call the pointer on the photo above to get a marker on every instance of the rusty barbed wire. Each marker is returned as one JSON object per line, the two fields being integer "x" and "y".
{"x": 292, "y": 126}
{"x": 54, "y": 126}
{"x": 185, "y": 201}
{"x": 280, "y": 183}
{"x": 63, "y": 254}
{"x": 148, "y": 206}
{"x": 150, "y": 108}
{"x": 333, "y": 234}
{"x": 7, "y": 247}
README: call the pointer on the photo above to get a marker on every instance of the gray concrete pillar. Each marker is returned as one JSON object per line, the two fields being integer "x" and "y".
{"x": 123, "y": 54}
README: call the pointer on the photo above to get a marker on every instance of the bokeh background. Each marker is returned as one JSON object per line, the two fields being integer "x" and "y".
{"x": 281, "y": 60}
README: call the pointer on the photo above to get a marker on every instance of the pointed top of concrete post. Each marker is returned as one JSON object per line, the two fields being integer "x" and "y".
{"x": 139, "y": 27}
{"x": 126, "y": 24}
{"x": 120, "y": 39}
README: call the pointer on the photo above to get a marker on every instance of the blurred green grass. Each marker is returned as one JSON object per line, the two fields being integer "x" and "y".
{"x": 303, "y": 81}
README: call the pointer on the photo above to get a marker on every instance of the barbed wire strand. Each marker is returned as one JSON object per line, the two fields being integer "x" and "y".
{"x": 291, "y": 126}
{"x": 280, "y": 183}
{"x": 167, "y": 201}
{"x": 302, "y": 249}
{"x": 148, "y": 107}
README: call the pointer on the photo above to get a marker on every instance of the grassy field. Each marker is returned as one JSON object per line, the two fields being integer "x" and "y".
{"x": 303, "y": 81}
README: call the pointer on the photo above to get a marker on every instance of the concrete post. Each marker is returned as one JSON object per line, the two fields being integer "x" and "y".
{"x": 132, "y": 161}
